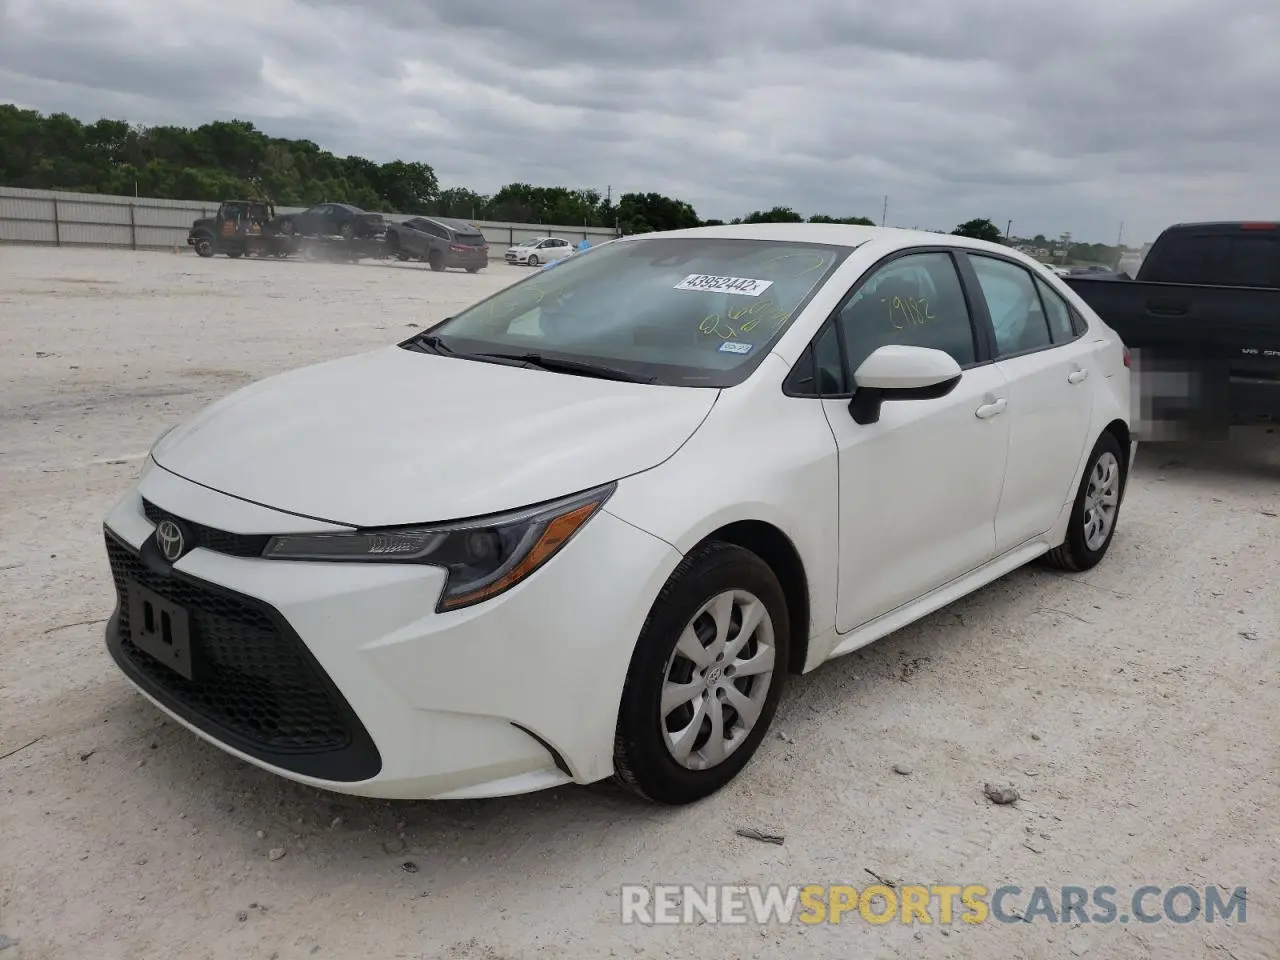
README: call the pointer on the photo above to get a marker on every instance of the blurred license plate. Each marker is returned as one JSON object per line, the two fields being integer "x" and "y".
{"x": 160, "y": 628}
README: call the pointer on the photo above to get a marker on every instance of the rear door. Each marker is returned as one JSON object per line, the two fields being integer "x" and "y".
{"x": 1051, "y": 370}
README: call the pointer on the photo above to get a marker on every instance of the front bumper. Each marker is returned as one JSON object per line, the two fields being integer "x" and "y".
{"x": 342, "y": 676}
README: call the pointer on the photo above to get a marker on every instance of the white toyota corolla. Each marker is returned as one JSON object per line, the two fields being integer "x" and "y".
{"x": 588, "y": 526}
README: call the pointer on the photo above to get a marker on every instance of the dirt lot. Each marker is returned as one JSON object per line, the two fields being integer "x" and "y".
{"x": 1136, "y": 708}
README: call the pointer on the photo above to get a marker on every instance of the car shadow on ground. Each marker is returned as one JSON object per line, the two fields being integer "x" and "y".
{"x": 1250, "y": 453}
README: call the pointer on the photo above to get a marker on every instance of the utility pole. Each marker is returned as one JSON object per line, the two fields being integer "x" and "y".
{"x": 884, "y": 212}
{"x": 1007, "y": 227}
{"x": 1120, "y": 235}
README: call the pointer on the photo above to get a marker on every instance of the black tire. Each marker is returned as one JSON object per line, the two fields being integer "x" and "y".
{"x": 204, "y": 246}
{"x": 474, "y": 269}
{"x": 533, "y": 260}
{"x": 347, "y": 231}
{"x": 436, "y": 261}
{"x": 235, "y": 254}
{"x": 1074, "y": 553}
{"x": 642, "y": 762}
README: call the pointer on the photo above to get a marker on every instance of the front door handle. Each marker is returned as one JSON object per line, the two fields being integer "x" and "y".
{"x": 989, "y": 410}
{"x": 1077, "y": 376}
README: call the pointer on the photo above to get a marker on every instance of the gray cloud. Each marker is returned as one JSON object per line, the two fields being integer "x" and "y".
{"x": 1063, "y": 116}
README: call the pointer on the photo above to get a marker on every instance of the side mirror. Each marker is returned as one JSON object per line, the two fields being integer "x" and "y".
{"x": 897, "y": 372}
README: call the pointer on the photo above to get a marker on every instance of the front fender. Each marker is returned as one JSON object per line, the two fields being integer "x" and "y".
{"x": 758, "y": 456}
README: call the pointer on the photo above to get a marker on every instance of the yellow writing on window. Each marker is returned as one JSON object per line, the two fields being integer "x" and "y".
{"x": 745, "y": 320}
{"x": 907, "y": 312}
{"x": 800, "y": 263}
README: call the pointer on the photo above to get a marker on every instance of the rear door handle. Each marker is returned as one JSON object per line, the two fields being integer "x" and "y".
{"x": 1077, "y": 376}
{"x": 989, "y": 410}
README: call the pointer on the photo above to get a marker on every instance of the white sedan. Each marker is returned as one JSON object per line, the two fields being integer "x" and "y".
{"x": 656, "y": 481}
{"x": 539, "y": 250}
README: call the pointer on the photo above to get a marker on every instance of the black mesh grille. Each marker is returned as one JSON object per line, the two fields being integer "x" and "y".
{"x": 235, "y": 544}
{"x": 256, "y": 685}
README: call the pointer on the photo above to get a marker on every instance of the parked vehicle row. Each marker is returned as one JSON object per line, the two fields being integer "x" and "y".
{"x": 685, "y": 467}
{"x": 343, "y": 231}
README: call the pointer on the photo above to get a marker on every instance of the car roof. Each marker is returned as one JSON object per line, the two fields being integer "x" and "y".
{"x": 453, "y": 223}
{"x": 886, "y": 239}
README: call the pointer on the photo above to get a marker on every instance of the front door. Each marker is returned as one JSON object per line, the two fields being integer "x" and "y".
{"x": 919, "y": 489}
{"x": 1051, "y": 372}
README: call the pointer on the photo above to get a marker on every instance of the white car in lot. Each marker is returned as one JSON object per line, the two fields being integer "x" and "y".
{"x": 686, "y": 466}
{"x": 539, "y": 250}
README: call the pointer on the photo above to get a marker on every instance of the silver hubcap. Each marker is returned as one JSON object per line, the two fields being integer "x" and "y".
{"x": 716, "y": 681}
{"x": 1101, "y": 499}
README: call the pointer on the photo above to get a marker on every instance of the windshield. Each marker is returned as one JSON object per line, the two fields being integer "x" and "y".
{"x": 693, "y": 311}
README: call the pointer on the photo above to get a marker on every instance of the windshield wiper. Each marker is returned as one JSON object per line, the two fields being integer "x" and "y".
{"x": 432, "y": 342}
{"x": 600, "y": 371}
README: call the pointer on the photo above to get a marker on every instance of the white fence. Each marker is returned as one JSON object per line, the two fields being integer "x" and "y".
{"x": 62, "y": 219}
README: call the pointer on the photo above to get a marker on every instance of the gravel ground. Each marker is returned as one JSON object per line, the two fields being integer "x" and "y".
{"x": 1135, "y": 708}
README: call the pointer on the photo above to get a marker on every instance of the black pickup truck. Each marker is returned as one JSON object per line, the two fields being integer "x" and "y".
{"x": 1201, "y": 319}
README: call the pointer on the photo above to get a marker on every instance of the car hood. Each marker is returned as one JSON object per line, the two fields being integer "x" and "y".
{"x": 395, "y": 436}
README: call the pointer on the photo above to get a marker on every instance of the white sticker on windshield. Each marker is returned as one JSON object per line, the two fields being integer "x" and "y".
{"x": 735, "y": 346}
{"x": 744, "y": 286}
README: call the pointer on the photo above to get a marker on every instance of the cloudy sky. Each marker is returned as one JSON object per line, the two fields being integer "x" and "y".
{"x": 1056, "y": 114}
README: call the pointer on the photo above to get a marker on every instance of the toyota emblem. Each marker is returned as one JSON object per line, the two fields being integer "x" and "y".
{"x": 170, "y": 540}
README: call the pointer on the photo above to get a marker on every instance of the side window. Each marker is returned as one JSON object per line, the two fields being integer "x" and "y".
{"x": 828, "y": 371}
{"x": 1057, "y": 312}
{"x": 1189, "y": 258}
{"x": 1078, "y": 324}
{"x": 1014, "y": 305}
{"x": 914, "y": 300}
{"x": 820, "y": 372}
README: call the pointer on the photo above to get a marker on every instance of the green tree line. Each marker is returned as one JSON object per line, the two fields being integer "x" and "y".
{"x": 233, "y": 159}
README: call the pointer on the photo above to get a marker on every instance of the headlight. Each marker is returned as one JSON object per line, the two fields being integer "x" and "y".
{"x": 483, "y": 557}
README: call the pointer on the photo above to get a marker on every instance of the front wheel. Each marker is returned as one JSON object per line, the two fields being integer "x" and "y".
{"x": 705, "y": 677}
{"x": 1095, "y": 511}
{"x": 204, "y": 246}
{"x": 533, "y": 260}
{"x": 235, "y": 254}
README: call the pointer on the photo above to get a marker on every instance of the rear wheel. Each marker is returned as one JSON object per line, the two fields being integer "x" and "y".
{"x": 235, "y": 254}
{"x": 346, "y": 231}
{"x": 1095, "y": 511}
{"x": 705, "y": 678}
{"x": 473, "y": 269}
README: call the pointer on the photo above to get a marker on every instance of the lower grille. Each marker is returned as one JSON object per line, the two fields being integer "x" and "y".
{"x": 256, "y": 688}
